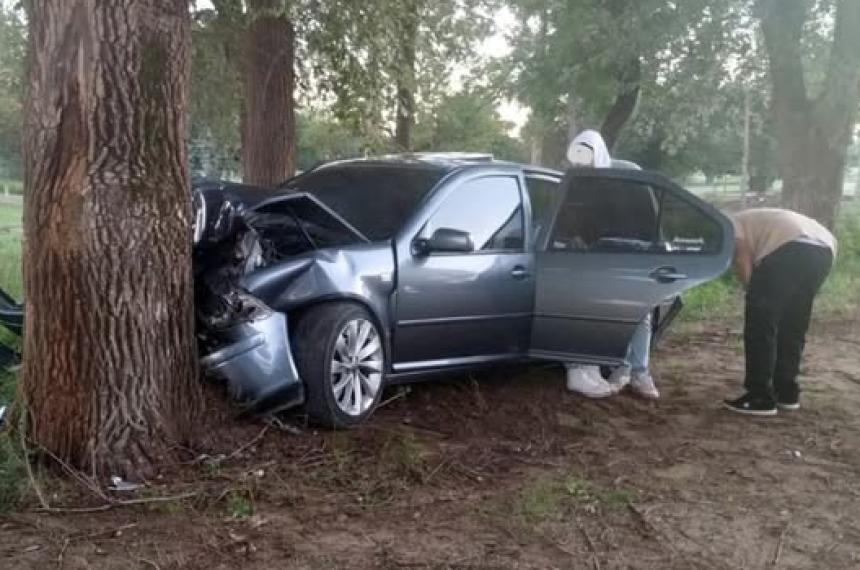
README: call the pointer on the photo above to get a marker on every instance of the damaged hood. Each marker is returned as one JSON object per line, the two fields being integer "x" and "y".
{"x": 219, "y": 208}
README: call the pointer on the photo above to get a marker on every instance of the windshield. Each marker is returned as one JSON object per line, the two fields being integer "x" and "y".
{"x": 375, "y": 198}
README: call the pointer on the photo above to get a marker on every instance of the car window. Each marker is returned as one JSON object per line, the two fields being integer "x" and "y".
{"x": 626, "y": 216}
{"x": 376, "y": 199}
{"x": 543, "y": 192}
{"x": 605, "y": 214}
{"x": 686, "y": 229}
{"x": 488, "y": 208}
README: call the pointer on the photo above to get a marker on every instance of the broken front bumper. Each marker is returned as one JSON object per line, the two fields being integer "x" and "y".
{"x": 257, "y": 364}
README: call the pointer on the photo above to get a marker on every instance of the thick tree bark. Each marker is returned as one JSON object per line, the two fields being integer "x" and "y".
{"x": 110, "y": 366}
{"x": 406, "y": 77}
{"x": 812, "y": 134}
{"x": 268, "y": 120}
{"x": 625, "y": 103}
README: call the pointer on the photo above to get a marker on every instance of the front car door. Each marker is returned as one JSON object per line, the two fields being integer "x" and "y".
{"x": 460, "y": 308}
{"x": 622, "y": 242}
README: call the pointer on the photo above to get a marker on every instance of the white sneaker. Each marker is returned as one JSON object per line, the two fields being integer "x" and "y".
{"x": 619, "y": 378}
{"x": 587, "y": 381}
{"x": 643, "y": 384}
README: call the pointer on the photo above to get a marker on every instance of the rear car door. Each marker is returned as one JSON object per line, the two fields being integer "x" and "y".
{"x": 457, "y": 308}
{"x": 621, "y": 243}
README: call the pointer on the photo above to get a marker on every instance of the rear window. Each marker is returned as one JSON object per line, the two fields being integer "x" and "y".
{"x": 376, "y": 199}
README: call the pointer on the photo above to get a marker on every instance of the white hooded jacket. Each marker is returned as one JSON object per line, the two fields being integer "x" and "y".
{"x": 595, "y": 142}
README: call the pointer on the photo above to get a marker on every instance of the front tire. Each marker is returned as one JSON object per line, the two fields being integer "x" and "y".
{"x": 341, "y": 359}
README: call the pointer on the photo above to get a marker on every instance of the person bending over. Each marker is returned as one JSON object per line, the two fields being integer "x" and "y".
{"x": 782, "y": 258}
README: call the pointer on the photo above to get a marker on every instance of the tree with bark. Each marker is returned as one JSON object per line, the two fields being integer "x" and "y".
{"x": 813, "y": 130}
{"x": 268, "y": 118}
{"x": 110, "y": 378}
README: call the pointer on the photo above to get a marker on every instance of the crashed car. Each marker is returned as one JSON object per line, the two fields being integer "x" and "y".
{"x": 365, "y": 273}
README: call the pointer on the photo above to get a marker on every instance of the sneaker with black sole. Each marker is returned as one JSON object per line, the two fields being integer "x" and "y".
{"x": 751, "y": 406}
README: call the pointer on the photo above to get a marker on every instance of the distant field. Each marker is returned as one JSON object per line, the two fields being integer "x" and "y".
{"x": 10, "y": 248}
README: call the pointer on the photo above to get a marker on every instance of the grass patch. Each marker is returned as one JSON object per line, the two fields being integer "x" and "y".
{"x": 10, "y": 249}
{"x": 548, "y": 499}
{"x": 240, "y": 504}
{"x": 12, "y": 186}
{"x": 13, "y": 475}
{"x": 721, "y": 297}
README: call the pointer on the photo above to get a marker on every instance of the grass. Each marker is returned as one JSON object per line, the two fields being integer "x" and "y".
{"x": 548, "y": 499}
{"x": 12, "y": 472}
{"x": 13, "y": 186}
{"x": 10, "y": 249}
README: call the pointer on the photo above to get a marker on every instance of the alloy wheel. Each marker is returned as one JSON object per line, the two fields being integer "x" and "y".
{"x": 356, "y": 367}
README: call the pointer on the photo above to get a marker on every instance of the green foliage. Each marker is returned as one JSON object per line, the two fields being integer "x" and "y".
{"x": 361, "y": 53}
{"x": 12, "y": 55}
{"x": 569, "y": 62}
{"x": 467, "y": 121}
{"x": 322, "y": 139}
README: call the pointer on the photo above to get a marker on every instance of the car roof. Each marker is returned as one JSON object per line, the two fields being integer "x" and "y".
{"x": 444, "y": 161}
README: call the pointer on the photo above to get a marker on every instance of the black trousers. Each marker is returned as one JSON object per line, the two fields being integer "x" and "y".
{"x": 778, "y": 306}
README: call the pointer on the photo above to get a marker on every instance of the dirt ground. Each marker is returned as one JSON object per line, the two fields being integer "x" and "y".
{"x": 504, "y": 469}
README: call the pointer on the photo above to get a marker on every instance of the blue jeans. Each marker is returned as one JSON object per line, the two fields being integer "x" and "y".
{"x": 640, "y": 346}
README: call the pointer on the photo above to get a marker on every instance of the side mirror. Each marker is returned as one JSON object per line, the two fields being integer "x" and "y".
{"x": 444, "y": 240}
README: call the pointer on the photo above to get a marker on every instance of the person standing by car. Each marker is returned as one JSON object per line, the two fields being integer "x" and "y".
{"x": 589, "y": 149}
{"x": 782, "y": 258}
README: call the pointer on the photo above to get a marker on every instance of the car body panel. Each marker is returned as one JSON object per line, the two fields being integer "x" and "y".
{"x": 363, "y": 273}
{"x": 458, "y": 308}
{"x": 588, "y": 304}
{"x": 258, "y": 365}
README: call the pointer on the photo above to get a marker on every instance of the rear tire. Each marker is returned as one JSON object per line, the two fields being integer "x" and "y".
{"x": 340, "y": 357}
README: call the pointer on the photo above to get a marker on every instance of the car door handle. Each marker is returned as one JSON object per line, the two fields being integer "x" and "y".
{"x": 667, "y": 275}
{"x": 519, "y": 272}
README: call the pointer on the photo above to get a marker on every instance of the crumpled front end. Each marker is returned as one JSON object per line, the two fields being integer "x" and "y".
{"x": 255, "y": 360}
{"x": 239, "y": 231}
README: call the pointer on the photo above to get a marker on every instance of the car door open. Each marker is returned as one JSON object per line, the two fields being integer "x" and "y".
{"x": 621, "y": 243}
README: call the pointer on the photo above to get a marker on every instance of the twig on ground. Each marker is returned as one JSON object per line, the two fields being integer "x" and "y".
{"x": 118, "y": 504}
{"x": 594, "y": 557}
{"x": 556, "y": 544}
{"x": 436, "y": 469}
{"x": 401, "y": 393}
{"x": 30, "y": 475}
{"x": 251, "y": 443}
{"x": 84, "y": 536}
{"x": 89, "y": 484}
{"x": 149, "y": 563}
{"x": 283, "y": 426}
{"x": 778, "y": 552}
{"x": 62, "y": 553}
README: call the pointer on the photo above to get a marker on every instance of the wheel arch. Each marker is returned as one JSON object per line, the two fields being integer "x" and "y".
{"x": 295, "y": 313}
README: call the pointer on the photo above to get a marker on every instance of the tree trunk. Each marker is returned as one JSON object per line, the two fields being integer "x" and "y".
{"x": 268, "y": 120}
{"x": 625, "y": 103}
{"x": 812, "y": 134}
{"x": 110, "y": 365}
{"x": 406, "y": 78}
